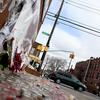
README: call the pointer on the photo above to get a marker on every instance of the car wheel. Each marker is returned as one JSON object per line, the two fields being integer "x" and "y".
{"x": 58, "y": 81}
{"x": 80, "y": 89}
{"x": 46, "y": 76}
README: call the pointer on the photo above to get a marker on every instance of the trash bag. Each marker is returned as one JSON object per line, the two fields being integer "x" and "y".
{"x": 4, "y": 60}
{"x": 2, "y": 37}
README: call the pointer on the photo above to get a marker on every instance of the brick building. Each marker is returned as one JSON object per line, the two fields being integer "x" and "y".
{"x": 4, "y": 12}
{"x": 89, "y": 72}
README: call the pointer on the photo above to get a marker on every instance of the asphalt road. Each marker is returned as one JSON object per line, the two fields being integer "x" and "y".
{"x": 79, "y": 95}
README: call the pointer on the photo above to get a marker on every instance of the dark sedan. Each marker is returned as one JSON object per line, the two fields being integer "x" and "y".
{"x": 68, "y": 79}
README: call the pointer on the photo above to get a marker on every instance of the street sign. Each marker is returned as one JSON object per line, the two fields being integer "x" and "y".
{"x": 45, "y": 33}
{"x": 72, "y": 56}
{"x": 35, "y": 58}
{"x": 42, "y": 48}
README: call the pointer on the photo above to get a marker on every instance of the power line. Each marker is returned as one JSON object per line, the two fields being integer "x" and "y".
{"x": 79, "y": 25}
{"x": 75, "y": 21}
{"x": 83, "y": 7}
{"x": 75, "y": 28}
{"x": 60, "y": 51}
{"x": 88, "y": 4}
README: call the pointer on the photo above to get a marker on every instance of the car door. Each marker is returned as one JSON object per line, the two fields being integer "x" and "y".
{"x": 60, "y": 75}
{"x": 64, "y": 79}
{"x": 67, "y": 79}
{"x": 75, "y": 81}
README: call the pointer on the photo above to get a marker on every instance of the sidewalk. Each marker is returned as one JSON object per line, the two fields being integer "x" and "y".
{"x": 24, "y": 86}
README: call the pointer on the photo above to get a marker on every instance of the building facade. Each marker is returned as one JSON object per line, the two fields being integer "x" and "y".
{"x": 21, "y": 20}
{"x": 4, "y": 12}
{"x": 89, "y": 73}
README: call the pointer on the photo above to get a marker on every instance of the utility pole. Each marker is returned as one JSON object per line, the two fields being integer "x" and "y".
{"x": 50, "y": 36}
{"x": 69, "y": 65}
{"x": 71, "y": 57}
{"x": 87, "y": 68}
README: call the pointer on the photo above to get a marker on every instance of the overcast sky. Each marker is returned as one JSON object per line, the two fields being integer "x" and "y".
{"x": 64, "y": 37}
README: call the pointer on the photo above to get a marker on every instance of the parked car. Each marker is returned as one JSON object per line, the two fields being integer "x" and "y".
{"x": 68, "y": 79}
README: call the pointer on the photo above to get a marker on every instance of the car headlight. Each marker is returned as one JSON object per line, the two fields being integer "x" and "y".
{"x": 85, "y": 86}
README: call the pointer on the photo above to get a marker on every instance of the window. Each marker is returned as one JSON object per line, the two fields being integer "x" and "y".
{"x": 98, "y": 76}
{"x": 91, "y": 83}
{"x": 61, "y": 73}
{"x": 67, "y": 75}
